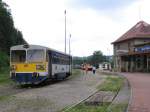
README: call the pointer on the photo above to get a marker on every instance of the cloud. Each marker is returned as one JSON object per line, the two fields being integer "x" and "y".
{"x": 92, "y": 26}
{"x": 100, "y": 4}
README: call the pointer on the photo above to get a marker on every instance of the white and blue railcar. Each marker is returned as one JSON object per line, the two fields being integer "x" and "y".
{"x": 33, "y": 64}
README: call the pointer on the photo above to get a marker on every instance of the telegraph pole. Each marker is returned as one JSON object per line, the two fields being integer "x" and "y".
{"x": 65, "y": 30}
{"x": 69, "y": 45}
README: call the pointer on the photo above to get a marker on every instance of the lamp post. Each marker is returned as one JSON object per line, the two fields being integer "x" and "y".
{"x": 65, "y": 30}
{"x": 70, "y": 61}
{"x": 69, "y": 44}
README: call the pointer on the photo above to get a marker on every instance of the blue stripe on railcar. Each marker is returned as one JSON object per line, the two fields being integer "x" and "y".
{"x": 27, "y": 78}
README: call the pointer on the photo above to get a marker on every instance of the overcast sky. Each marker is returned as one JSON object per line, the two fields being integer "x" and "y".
{"x": 93, "y": 24}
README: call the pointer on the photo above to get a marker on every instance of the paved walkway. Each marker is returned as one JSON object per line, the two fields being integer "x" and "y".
{"x": 140, "y": 84}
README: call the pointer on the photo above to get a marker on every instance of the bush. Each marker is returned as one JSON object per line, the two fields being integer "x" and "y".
{"x": 4, "y": 60}
{"x": 113, "y": 84}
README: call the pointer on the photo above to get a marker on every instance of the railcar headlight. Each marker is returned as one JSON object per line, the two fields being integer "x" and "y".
{"x": 40, "y": 67}
{"x": 13, "y": 67}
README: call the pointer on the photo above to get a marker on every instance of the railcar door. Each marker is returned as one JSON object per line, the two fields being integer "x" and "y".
{"x": 70, "y": 65}
{"x": 49, "y": 54}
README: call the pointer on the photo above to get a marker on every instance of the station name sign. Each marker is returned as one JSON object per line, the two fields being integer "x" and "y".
{"x": 143, "y": 48}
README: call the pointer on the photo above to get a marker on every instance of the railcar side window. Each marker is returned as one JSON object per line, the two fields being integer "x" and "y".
{"x": 60, "y": 59}
{"x": 55, "y": 60}
{"x": 35, "y": 55}
{"x": 18, "y": 56}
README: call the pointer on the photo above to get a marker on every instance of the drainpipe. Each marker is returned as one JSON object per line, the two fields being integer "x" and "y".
{"x": 147, "y": 62}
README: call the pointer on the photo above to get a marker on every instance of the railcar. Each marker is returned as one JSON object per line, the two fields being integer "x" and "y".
{"x": 33, "y": 64}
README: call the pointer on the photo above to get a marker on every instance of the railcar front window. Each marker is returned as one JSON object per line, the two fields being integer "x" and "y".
{"x": 35, "y": 55}
{"x": 18, "y": 56}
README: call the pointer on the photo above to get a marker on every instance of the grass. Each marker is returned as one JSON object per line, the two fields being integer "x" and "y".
{"x": 112, "y": 83}
{"x": 84, "y": 108}
{"x": 4, "y": 76}
{"x": 4, "y": 97}
{"x": 118, "y": 108}
{"x": 103, "y": 108}
{"x": 75, "y": 72}
{"x": 4, "y": 80}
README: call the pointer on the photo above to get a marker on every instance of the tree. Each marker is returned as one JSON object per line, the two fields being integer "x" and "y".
{"x": 97, "y": 58}
{"x": 77, "y": 60}
{"x": 9, "y": 35}
{"x": 4, "y": 60}
{"x": 94, "y": 59}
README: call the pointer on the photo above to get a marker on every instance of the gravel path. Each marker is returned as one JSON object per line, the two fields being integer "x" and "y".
{"x": 10, "y": 89}
{"x": 53, "y": 97}
{"x": 140, "y": 91}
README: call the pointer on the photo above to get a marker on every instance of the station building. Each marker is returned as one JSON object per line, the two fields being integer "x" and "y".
{"x": 132, "y": 49}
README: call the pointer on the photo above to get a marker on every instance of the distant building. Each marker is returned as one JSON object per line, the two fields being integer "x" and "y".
{"x": 132, "y": 49}
{"x": 105, "y": 66}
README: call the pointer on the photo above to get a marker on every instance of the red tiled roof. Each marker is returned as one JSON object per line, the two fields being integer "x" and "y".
{"x": 140, "y": 30}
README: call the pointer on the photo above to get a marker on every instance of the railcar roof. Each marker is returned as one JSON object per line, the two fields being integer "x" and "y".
{"x": 21, "y": 47}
